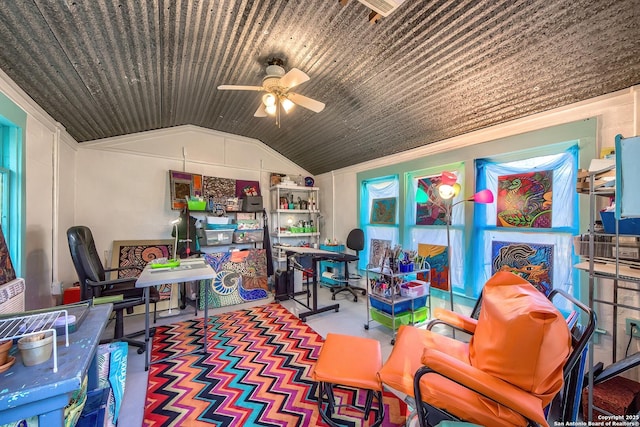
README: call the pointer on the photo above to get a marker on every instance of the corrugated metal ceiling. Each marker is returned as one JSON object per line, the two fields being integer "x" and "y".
{"x": 429, "y": 71}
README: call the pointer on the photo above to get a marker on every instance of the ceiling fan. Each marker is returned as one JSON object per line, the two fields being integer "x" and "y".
{"x": 277, "y": 86}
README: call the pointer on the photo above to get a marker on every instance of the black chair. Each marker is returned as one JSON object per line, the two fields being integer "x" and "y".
{"x": 355, "y": 242}
{"x": 93, "y": 282}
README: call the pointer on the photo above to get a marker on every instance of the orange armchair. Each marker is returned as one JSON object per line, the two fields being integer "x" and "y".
{"x": 520, "y": 356}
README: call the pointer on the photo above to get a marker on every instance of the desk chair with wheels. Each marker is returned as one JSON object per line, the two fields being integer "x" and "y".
{"x": 355, "y": 242}
{"x": 522, "y": 362}
{"x": 93, "y": 282}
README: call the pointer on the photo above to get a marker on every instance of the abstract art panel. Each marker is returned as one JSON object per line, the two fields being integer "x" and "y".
{"x": 524, "y": 200}
{"x": 133, "y": 255}
{"x": 377, "y": 251}
{"x": 240, "y": 276}
{"x": 383, "y": 211}
{"x": 532, "y": 262}
{"x": 432, "y": 212}
{"x": 183, "y": 185}
{"x": 7, "y": 273}
{"x": 438, "y": 259}
{"x": 218, "y": 188}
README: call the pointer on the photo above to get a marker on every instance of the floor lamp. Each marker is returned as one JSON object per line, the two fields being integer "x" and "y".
{"x": 447, "y": 190}
{"x": 171, "y": 312}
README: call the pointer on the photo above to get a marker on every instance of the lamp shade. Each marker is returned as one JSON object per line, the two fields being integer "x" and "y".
{"x": 421, "y": 196}
{"x": 483, "y": 196}
{"x": 448, "y": 178}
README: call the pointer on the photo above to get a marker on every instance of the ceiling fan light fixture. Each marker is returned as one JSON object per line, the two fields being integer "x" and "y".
{"x": 270, "y": 109}
{"x": 269, "y": 99}
{"x": 287, "y": 104}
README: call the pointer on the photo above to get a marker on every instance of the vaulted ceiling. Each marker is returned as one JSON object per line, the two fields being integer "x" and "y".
{"x": 429, "y": 71}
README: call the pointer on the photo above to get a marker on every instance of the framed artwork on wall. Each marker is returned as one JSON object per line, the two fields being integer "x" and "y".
{"x": 438, "y": 259}
{"x": 383, "y": 211}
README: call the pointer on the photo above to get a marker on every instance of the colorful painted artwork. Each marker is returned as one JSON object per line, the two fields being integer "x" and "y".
{"x": 133, "y": 255}
{"x": 7, "y": 273}
{"x": 383, "y": 211}
{"x": 247, "y": 188}
{"x": 432, "y": 212}
{"x": 218, "y": 188}
{"x": 183, "y": 185}
{"x": 377, "y": 251}
{"x": 524, "y": 200}
{"x": 438, "y": 258}
{"x": 240, "y": 276}
{"x": 533, "y": 262}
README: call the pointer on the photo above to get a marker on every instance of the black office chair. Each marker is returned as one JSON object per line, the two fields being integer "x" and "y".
{"x": 355, "y": 242}
{"x": 93, "y": 282}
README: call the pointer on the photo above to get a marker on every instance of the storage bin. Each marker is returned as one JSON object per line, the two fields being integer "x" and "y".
{"x": 419, "y": 315}
{"x": 222, "y": 226}
{"x": 398, "y": 306}
{"x": 218, "y": 237}
{"x": 196, "y": 205}
{"x": 247, "y": 236}
{"x": 414, "y": 288}
{"x": 252, "y": 203}
{"x": 625, "y": 226}
{"x": 386, "y": 320}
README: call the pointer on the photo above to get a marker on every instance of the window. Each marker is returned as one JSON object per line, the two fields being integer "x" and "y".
{"x": 12, "y": 122}
{"x": 379, "y": 216}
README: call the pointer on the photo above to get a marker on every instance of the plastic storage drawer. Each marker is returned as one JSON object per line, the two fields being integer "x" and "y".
{"x": 385, "y": 319}
{"x": 247, "y": 236}
{"x": 399, "y": 306}
{"x": 218, "y": 237}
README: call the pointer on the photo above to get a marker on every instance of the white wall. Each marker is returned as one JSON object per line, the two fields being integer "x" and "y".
{"x": 122, "y": 184}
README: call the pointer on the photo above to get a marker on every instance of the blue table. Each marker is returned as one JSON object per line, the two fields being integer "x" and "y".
{"x": 37, "y": 390}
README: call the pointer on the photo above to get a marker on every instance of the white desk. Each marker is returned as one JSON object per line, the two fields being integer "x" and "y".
{"x": 188, "y": 271}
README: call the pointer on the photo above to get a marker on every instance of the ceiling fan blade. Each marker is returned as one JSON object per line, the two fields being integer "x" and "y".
{"x": 260, "y": 112}
{"x": 293, "y": 78}
{"x": 303, "y": 101}
{"x": 239, "y": 87}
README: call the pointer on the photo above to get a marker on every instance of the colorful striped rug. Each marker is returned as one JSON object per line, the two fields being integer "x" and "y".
{"x": 257, "y": 373}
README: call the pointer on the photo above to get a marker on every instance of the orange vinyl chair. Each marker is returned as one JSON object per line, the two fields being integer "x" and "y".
{"x": 521, "y": 355}
{"x": 352, "y": 362}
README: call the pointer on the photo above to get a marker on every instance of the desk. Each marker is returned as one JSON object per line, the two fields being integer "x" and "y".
{"x": 316, "y": 256}
{"x": 37, "y": 390}
{"x": 189, "y": 270}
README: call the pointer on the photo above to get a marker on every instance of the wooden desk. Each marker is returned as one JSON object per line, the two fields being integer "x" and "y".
{"x": 188, "y": 271}
{"x": 37, "y": 390}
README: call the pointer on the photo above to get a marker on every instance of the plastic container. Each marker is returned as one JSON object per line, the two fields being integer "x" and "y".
{"x": 419, "y": 315}
{"x": 197, "y": 205}
{"x": 386, "y": 320}
{"x": 415, "y": 288}
{"x": 398, "y": 306}
{"x": 247, "y": 236}
{"x": 625, "y": 226}
{"x": 218, "y": 237}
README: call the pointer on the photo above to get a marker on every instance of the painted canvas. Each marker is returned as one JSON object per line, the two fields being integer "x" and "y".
{"x": 183, "y": 185}
{"x": 218, "y": 188}
{"x": 247, "y": 188}
{"x": 383, "y": 211}
{"x": 377, "y": 251}
{"x": 533, "y": 262}
{"x": 438, "y": 259}
{"x": 7, "y": 273}
{"x": 133, "y": 255}
{"x": 524, "y": 200}
{"x": 240, "y": 276}
{"x": 432, "y": 212}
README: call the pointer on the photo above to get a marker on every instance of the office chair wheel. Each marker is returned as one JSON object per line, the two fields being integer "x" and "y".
{"x": 355, "y": 299}
{"x": 366, "y": 326}
{"x": 141, "y": 350}
{"x": 333, "y": 296}
{"x": 364, "y": 292}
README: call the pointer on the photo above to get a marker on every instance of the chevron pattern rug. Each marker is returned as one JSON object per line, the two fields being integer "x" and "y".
{"x": 257, "y": 372}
